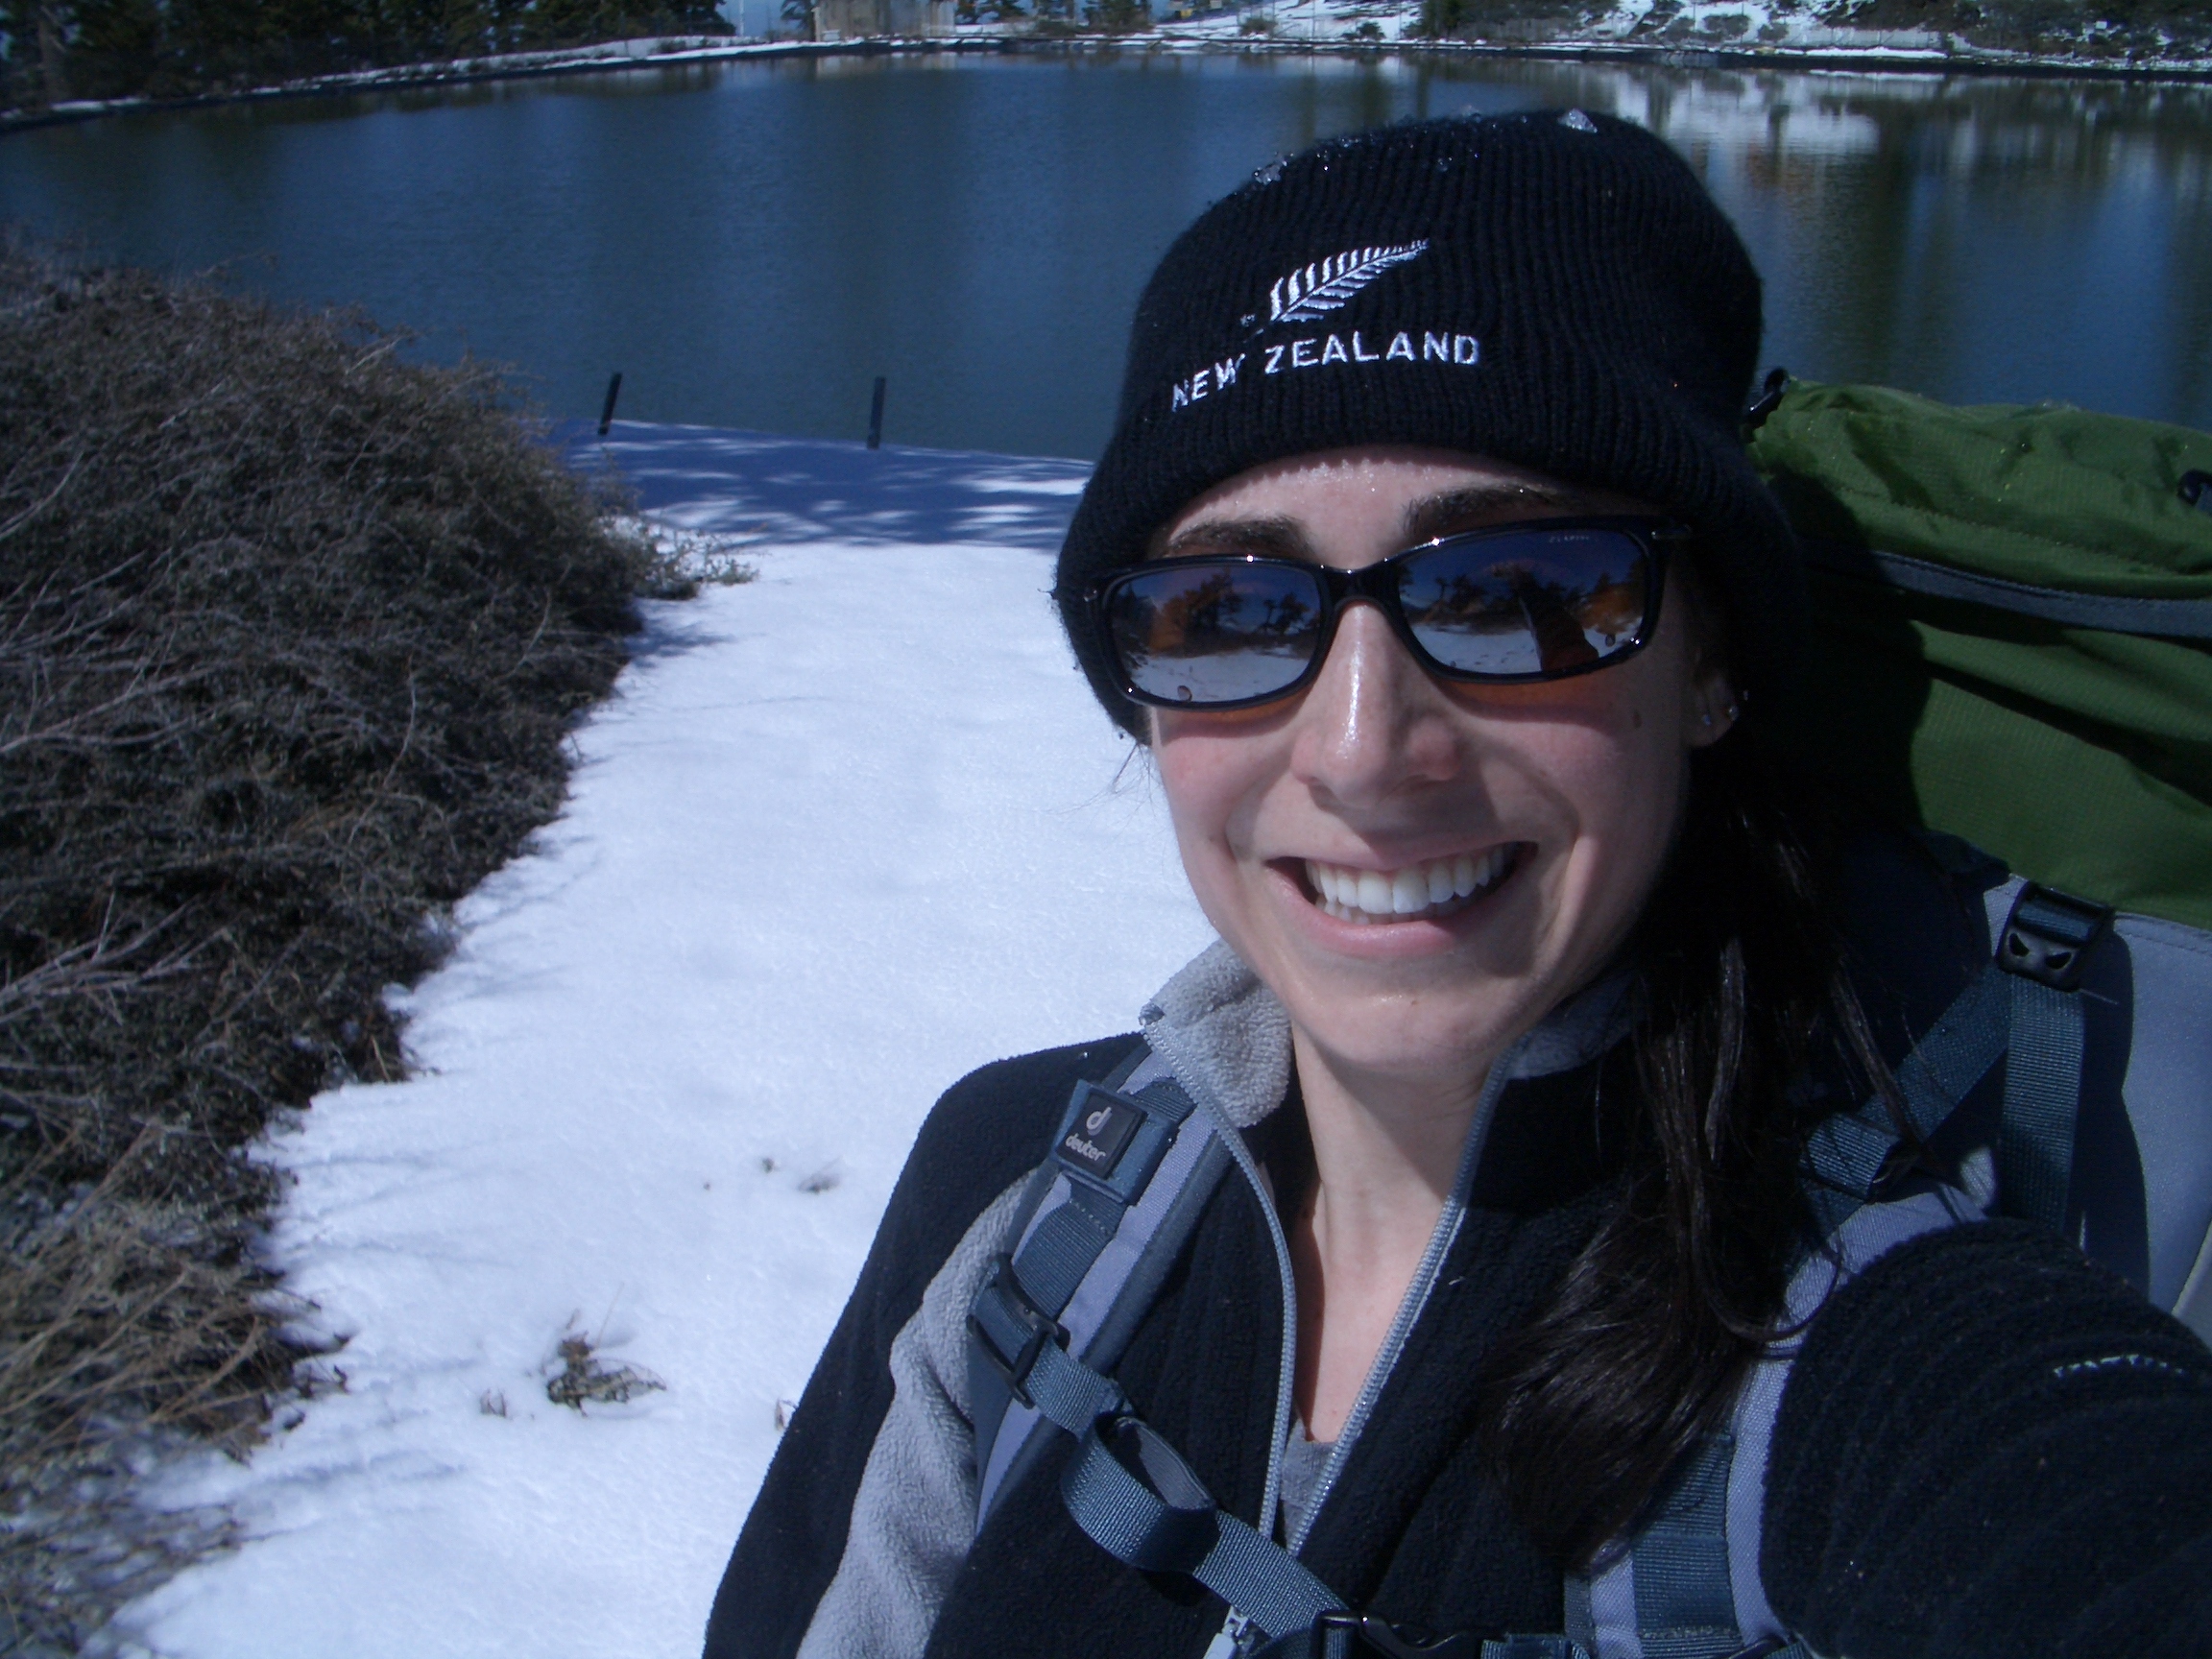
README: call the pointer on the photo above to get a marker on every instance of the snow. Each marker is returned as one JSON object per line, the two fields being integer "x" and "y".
{"x": 841, "y": 834}
{"x": 1779, "y": 35}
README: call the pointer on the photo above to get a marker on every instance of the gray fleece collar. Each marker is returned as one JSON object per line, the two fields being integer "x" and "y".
{"x": 1226, "y": 1038}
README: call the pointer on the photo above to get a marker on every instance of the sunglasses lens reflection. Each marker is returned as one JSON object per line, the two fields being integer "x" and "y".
{"x": 1540, "y": 604}
{"x": 1207, "y": 632}
{"x": 1528, "y": 604}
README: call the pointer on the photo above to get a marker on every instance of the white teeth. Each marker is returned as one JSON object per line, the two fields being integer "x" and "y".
{"x": 1409, "y": 892}
{"x": 1437, "y": 888}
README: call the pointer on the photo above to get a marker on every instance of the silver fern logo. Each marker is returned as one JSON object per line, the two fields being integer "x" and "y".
{"x": 1329, "y": 285}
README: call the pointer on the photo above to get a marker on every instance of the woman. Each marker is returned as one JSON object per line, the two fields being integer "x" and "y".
{"x": 1425, "y": 560}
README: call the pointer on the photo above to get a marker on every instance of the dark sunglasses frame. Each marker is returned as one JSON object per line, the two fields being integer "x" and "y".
{"x": 1378, "y": 585}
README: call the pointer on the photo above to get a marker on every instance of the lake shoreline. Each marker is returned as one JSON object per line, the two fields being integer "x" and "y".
{"x": 671, "y": 52}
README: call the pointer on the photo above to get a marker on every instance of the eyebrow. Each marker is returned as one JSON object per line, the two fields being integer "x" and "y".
{"x": 1426, "y": 520}
{"x": 1451, "y": 510}
{"x": 1277, "y": 537}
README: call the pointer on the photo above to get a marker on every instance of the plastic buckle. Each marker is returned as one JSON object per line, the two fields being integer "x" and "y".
{"x": 2049, "y": 937}
{"x": 1011, "y": 1328}
{"x": 1769, "y": 399}
{"x": 1342, "y": 1635}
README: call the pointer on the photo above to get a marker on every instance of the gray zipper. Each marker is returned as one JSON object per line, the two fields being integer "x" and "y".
{"x": 1230, "y": 1641}
{"x": 1286, "y": 1366}
{"x": 1410, "y": 1308}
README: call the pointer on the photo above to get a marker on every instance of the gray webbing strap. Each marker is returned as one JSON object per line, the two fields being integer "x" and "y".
{"x": 1125, "y": 1486}
{"x": 1064, "y": 1246}
{"x": 1053, "y": 1317}
{"x": 2025, "y": 1006}
{"x": 991, "y": 1395}
{"x": 1849, "y": 1152}
{"x": 1685, "y": 1603}
{"x": 1672, "y": 1593}
{"x": 1956, "y": 1052}
{"x": 2042, "y": 1098}
{"x": 1364, "y": 1635}
{"x": 2045, "y": 948}
{"x": 1016, "y": 1337}
{"x": 1068, "y": 1393}
{"x": 1138, "y": 1500}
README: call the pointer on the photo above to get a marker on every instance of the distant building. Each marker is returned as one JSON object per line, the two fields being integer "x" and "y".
{"x": 863, "y": 19}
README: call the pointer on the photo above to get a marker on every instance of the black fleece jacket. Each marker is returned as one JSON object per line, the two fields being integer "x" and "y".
{"x": 1988, "y": 1447}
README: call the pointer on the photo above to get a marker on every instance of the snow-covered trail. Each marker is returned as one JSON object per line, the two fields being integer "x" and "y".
{"x": 841, "y": 834}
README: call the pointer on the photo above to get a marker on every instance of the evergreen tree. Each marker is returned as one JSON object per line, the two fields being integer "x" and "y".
{"x": 54, "y": 50}
{"x": 39, "y": 38}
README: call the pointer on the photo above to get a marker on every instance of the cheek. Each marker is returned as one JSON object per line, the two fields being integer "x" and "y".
{"x": 1209, "y": 780}
{"x": 1622, "y": 779}
{"x": 1207, "y": 793}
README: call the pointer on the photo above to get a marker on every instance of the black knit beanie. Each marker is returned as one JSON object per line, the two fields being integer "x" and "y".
{"x": 1553, "y": 289}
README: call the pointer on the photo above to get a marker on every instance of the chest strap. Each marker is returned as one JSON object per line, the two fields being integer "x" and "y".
{"x": 1134, "y": 1495}
{"x": 1122, "y": 1159}
{"x": 1123, "y": 1166}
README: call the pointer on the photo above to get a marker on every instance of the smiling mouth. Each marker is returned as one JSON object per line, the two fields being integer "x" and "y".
{"x": 1417, "y": 892}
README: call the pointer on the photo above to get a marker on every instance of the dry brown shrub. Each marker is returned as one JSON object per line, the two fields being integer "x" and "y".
{"x": 291, "y": 633}
{"x": 122, "y": 1335}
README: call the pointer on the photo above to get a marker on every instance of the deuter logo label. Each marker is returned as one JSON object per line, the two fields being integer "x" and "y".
{"x": 1103, "y": 1126}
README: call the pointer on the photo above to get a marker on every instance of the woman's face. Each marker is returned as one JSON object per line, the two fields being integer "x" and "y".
{"x": 1300, "y": 821}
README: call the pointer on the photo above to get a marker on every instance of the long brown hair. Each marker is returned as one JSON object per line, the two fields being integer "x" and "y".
{"x": 1591, "y": 1405}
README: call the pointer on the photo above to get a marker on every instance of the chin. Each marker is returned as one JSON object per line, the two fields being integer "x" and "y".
{"x": 1416, "y": 1035}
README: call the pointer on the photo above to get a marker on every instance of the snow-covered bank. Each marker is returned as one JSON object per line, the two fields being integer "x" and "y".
{"x": 655, "y": 52}
{"x": 842, "y": 833}
{"x": 1773, "y": 35}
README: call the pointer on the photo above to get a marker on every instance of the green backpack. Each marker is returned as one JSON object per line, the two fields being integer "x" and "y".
{"x": 2012, "y": 628}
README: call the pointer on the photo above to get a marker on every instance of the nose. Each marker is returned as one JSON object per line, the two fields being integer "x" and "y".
{"x": 1372, "y": 723}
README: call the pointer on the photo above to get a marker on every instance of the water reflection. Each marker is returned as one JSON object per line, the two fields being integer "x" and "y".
{"x": 1976, "y": 239}
{"x": 751, "y": 243}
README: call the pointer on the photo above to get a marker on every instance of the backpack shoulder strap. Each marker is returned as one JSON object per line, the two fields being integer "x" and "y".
{"x": 2168, "y": 1092}
{"x": 1130, "y": 1171}
{"x": 1687, "y": 1584}
{"x": 1132, "y": 1167}
{"x": 2023, "y": 1007}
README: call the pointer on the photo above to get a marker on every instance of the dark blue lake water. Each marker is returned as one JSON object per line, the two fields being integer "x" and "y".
{"x": 751, "y": 243}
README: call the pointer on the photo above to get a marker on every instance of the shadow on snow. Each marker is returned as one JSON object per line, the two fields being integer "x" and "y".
{"x": 798, "y": 489}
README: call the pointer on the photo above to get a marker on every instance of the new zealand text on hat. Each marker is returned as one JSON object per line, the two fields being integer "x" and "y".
{"x": 1551, "y": 290}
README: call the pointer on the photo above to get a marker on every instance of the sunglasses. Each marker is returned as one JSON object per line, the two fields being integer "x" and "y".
{"x": 1540, "y": 600}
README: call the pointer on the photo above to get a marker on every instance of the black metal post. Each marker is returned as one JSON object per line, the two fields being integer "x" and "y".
{"x": 876, "y": 417}
{"x": 606, "y": 409}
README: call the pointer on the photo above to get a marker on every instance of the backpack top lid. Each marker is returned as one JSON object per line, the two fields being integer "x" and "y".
{"x": 2012, "y": 630}
{"x": 2043, "y": 494}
